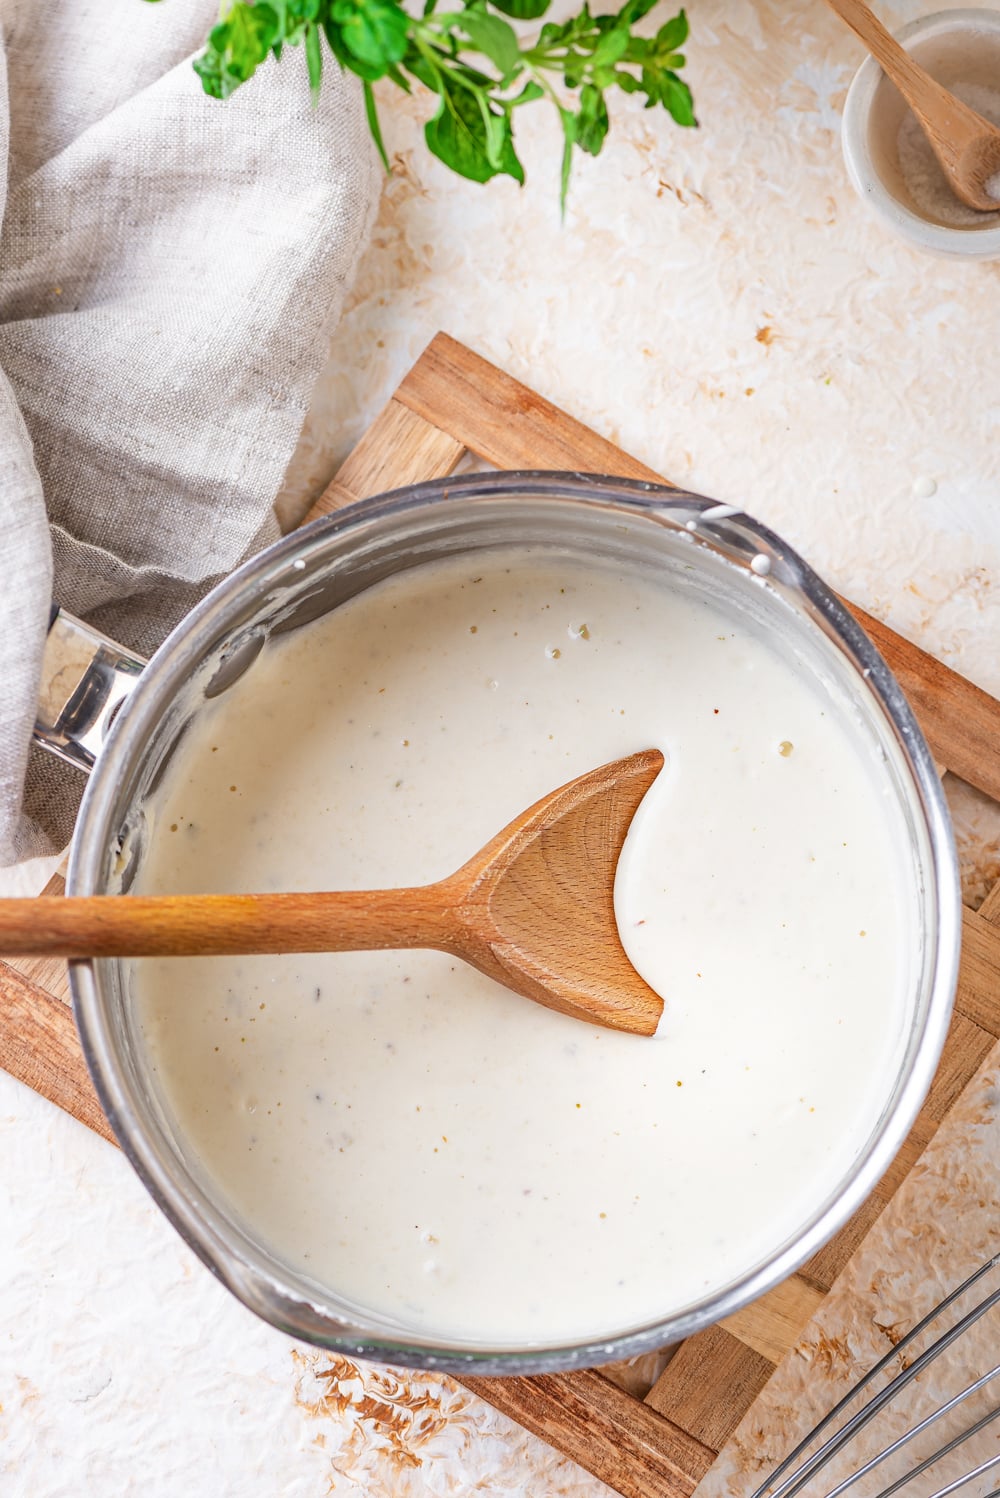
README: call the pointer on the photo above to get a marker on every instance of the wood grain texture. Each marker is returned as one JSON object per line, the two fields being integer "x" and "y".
{"x": 960, "y": 721}
{"x": 49, "y": 973}
{"x": 709, "y": 1385}
{"x": 40, "y": 1047}
{"x": 398, "y": 448}
{"x": 828, "y": 1262}
{"x": 629, "y": 1445}
{"x": 966, "y": 1048}
{"x": 773, "y": 1325}
{"x": 990, "y": 908}
{"x": 210, "y": 925}
{"x": 978, "y": 995}
{"x": 535, "y": 908}
{"x": 502, "y": 420}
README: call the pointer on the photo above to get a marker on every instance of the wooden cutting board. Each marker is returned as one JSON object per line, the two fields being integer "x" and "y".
{"x": 653, "y": 1429}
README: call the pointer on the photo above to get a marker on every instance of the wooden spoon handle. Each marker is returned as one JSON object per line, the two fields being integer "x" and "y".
{"x": 192, "y": 925}
{"x": 924, "y": 94}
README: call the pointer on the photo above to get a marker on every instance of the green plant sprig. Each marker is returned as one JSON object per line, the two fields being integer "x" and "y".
{"x": 473, "y": 60}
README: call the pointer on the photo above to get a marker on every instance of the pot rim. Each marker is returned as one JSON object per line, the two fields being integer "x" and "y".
{"x": 263, "y": 1284}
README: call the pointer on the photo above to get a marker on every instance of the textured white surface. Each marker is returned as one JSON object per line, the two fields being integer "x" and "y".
{"x": 720, "y": 304}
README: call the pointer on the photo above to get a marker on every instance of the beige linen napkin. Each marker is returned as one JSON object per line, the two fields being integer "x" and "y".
{"x": 169, "y": 271}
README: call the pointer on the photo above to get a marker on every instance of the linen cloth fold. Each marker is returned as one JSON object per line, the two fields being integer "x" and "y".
{"x": 170, "y": 268}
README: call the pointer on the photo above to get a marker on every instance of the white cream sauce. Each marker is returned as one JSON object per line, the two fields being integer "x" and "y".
{"x": 434, "y": 1147}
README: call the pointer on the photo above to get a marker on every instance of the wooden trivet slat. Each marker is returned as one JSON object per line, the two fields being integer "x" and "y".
{"x": 452, "y": 403}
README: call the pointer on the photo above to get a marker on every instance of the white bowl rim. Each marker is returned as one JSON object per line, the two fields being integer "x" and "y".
{"x": 939, "y": 239}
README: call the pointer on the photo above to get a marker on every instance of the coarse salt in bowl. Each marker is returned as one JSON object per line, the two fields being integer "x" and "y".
{"x": 889, "y": 160}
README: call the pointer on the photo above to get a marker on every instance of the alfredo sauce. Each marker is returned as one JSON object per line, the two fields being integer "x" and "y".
{"x": 434, "y": 1148}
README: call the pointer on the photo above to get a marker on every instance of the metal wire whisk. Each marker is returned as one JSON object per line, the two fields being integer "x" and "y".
{"x": 914, "y": 1423}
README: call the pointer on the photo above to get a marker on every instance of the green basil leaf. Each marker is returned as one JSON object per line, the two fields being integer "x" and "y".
{"x": 592, "y": 120}
{"x": 458, "y": 147}
{"x": 209, "y": 68}
{"x": 459, "y": 136}
{"x": 674, "y": 34}
{"x": 611, "y": 47}
{"x": 236, "y": 47}
{"x": 569, "y": 136}
{"x": 573, "y": 30}
{"x": 472, "y": 127}
{"x": 366, "y": 71}
{"x": 371, "y": 115}
{"x": 529, "y": 93}
{"x": 494, "y": 38}
{"x": 522, "y": 10}
{"x": 474, "y": 79}
{"x": 314, "y": 60}
{"x": 251, "y": 32}
{"x": 376, "y": 32}
{"x": 496, "y": 130}
{"x": 399, "y": 78}
{"x": 675, "y": 96}
{"x": 422, "y": 70}
{"x": 635, "y": 10}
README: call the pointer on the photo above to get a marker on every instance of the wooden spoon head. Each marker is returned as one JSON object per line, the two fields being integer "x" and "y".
{"x": 538, "y": 912}
{"x": 968, "y": 149}
{"x": 980, "y": 168}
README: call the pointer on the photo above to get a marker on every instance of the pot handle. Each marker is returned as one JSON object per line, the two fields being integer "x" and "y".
{"x": 85, "y": 679}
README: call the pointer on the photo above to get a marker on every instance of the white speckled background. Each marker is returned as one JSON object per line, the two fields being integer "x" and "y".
{"x": 720, "y": 304}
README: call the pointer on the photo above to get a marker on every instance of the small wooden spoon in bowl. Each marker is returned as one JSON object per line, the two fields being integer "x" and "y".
{"x": 534, "y": 909}
{"x": 966, "y": 145}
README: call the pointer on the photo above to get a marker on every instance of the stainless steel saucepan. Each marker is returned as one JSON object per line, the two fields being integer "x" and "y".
{"x": 122, "y": 718}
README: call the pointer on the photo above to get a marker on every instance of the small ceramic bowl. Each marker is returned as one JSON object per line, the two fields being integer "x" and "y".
{"x": 957, "y": 47}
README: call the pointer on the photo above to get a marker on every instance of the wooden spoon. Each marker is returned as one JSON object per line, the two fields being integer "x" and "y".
{"x": 534, "y": 909}
{"x": 966, "y": 145}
